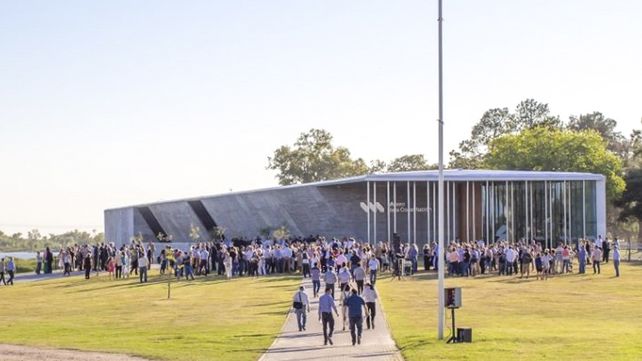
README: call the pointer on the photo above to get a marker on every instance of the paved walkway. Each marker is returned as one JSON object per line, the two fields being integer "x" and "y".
{"x": 31, "y": 276}
{"x": 376, "y": 345}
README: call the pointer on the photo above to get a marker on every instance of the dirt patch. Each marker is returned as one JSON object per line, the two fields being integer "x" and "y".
{"x": 25, "y": 353}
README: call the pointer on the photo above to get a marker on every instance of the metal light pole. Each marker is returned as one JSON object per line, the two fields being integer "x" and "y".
{"x": 440, "y": 253}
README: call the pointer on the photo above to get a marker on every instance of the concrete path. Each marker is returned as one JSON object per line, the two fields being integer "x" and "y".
{"x": 31, "y": 277}
{"x": 376, "y": 345}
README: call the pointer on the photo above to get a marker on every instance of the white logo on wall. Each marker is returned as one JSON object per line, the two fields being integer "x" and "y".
{"x": 392, "y": 207}
{"x": 374, "y": 207}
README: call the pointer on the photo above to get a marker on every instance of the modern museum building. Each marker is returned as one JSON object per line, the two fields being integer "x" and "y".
{"x": 488, "y": 205}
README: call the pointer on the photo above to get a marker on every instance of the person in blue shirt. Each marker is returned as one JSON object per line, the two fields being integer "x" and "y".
{"x": 355, "y": 306}
{"x": 11, "y": 269}
{"x": 326, "y": 306}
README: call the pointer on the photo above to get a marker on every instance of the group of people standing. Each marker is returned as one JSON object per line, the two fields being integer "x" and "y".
{"x": 506, "y": 259}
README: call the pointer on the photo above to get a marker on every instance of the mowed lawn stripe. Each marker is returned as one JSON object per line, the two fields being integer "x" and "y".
{"x": 570, "y": 317}
{"x": 206, "y": 319}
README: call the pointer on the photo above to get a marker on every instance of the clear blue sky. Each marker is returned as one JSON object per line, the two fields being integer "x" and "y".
{"x": 110, "y": 103}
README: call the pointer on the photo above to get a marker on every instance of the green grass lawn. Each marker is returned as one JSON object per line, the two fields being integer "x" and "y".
{"x": 571, "y": 317}
{"x": 205, "y": 319}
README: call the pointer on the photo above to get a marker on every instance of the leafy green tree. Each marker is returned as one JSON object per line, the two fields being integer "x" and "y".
{"x": 313, "y": 158}
{"x": 37, "y": 242}
{"x": 530, "y": 113}
{"x": 409, "y": 163}
{"x": 496, "y": 122}
{"x": 630, "y": 203}
{"x": 615, "y": 142}
{"x": 551, "y": 149}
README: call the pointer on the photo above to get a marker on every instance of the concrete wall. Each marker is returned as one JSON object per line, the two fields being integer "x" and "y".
{"x": 119, "y": 225}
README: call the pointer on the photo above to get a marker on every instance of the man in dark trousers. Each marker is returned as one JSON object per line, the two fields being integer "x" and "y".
{"x": 606, "y": 250}
{"x": 87, "y": 265}
{"x": 355, "y": 306}
{"x": 326, "y": 306}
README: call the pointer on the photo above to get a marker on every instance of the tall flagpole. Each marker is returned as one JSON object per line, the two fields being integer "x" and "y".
{"x": 440, "y": 253}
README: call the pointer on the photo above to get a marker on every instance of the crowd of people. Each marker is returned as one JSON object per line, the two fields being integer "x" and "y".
{"x": 470, "y": 259}
{"x": 262, "y": 257}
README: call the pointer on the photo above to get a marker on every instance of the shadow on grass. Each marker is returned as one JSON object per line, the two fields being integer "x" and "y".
{"x": 274, "y": 313}
{"x": 107, "y": 284}
{"x": 263, "y": 304}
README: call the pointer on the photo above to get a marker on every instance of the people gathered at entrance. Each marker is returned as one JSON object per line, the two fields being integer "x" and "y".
{"x": 347, "y": 257}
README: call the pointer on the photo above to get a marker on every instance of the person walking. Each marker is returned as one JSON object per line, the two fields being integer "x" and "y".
{"x": 142, "y": 267}
{"x": 11, "y": 270}
{"x": 370, "y": 297}
{"x": 38, "y": 263}
{"x": 87, "y": 265}
{"x": 344, "y": 278}
{"x": 315, "y": 274}
{"x": 3, "y": 269}
{"x": 48, "y": 260}
{"x": 301, "y": 307}
{"x": 356, "y": 305}
{"x": 616, "y": 260}
{"x": 326, "y": 306}
{"x": 305, "y": 261}
{"x": 606, "y": 250}
{"x": 597, "y": 257}
{"x": 427, "y": 257}
{"x": 373, "y": 267}
{"x": 359, "y": 277}
{"x": 343, "y": 297}
{"x": 330, "y": 279}
{"x": 227, "y": 264}
{"x": 526, "y": 263}
{"x": 581, "y": 258}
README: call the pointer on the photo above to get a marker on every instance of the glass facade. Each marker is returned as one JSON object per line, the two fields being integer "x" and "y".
{"x": 546, "y": 211}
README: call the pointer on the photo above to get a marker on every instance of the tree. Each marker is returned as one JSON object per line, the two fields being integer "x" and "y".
{"x": 313, "y": 158}
{"x": 615, "y": 142}
{"x": 631, "y": 201}
{"x": 377, "y": 166}
{"x": 409, "y": 163}
{"x": 496, "y": 122}
{"x": 530, "y": 113}
{"x": 550, "y": 149}
{"x": 194, "y": 232}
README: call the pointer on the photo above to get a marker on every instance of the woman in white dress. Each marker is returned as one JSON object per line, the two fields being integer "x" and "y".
{"x": 228, "y": 265}
{"x": 345, "y": 293}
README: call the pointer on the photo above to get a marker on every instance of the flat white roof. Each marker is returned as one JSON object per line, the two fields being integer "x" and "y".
{"x": 468, "y": 175}
{"x": 477, "y": 175}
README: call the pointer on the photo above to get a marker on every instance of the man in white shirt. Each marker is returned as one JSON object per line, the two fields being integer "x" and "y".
{"x": 301, "y": 304}
{"x": 330, "y": 279}
{"x": 359, "y": 276}
{"x": 370, "y": 297}
{"x": 373, "y": 267}
{"x": 510, "y": 259}
{"x": 142, "y": 267}
{"x": 599, "y": 241}
{"x": 344, "y": 278}
{"x": 204, "y": 256}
